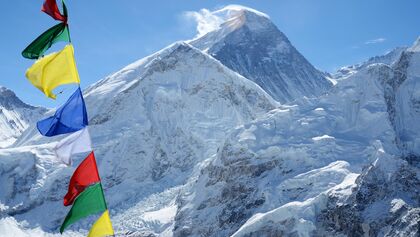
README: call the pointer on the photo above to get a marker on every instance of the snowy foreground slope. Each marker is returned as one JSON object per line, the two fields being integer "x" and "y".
{"x": 188, "y": 147}
{"x": 15, "y": 116}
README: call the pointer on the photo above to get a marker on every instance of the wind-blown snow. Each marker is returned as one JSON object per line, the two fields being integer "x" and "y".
{"x": 208, "y": 20}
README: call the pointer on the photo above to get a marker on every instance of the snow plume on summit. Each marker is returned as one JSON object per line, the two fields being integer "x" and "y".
{"x": 208, "y": 20}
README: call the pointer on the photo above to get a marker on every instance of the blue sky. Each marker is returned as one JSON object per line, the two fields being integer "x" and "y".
{"x": 108, "y": 35}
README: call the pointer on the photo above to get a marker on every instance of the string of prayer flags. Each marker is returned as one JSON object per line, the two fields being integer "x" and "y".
{"x": 85, "y": 193}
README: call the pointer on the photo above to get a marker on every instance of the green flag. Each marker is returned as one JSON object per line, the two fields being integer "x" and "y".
{"x": 41, "y": 44}
{"x": 89, "y": 202}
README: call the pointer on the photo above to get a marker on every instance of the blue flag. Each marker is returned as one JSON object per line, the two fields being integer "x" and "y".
{"x": 70, "y": 117}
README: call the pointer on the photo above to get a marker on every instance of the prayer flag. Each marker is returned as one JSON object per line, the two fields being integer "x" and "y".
{"x": 50, "y": 7}
{"x": 70, "y": 117}
{"x": 85, "y": 175}
{"x": 89, "y": 202}
{"x": 41, "y": 44}
{"x": 54, "y": 70}
{"x": 75, "y": 143}
{"x": 102, "y": 227}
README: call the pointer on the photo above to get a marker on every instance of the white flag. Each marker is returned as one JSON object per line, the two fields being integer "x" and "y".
{"x": 77, "y": 142}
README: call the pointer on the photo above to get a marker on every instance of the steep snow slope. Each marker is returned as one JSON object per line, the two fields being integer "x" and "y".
{"x": 250, "y": 44}
{"x": 15, "y": 116}
{"x": 151, "y": 123}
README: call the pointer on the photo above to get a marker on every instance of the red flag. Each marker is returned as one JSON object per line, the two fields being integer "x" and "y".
{"x": 85, "y": 175}
{"x": 50, "y": 7}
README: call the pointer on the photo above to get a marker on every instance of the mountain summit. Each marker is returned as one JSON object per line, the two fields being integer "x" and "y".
{"x": 249, "y": 43}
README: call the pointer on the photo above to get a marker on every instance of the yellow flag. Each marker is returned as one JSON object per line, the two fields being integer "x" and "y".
{"x": 53, "y": 70}
{"x": 102, "y": 227}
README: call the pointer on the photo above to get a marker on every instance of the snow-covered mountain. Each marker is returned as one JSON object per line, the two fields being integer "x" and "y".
{"x": 15, "y": 116}
{"x": 186, "y": 146}
{"x": 250, "y": 44}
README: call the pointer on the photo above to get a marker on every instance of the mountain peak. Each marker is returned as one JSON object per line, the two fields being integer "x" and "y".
{"x": 248, "y": 42}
